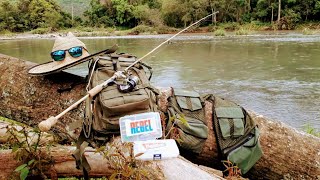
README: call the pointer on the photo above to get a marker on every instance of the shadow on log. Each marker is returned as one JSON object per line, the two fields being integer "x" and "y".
{"x": 288, "y": 153}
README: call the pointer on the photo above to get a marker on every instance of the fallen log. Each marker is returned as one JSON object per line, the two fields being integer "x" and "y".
{"x": 288, "y": 153}
{"x": 61, "y": 163}
{"x": 10, "y": 128}
{"x": 30, "y": 99}
{"x": 64, "y": 166}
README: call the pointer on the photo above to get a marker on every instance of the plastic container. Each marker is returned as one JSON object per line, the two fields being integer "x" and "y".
{"x": 155, "y": 149}
{"x": 140, "y": 127}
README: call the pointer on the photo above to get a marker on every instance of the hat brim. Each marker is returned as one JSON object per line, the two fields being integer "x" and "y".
{"x": 53, "y": 67}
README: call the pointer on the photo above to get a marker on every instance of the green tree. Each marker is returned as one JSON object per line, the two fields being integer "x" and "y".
{"x": 44, "y": 13}
{"x": 172, "y": 13}
{"x": 306, "y": 7}
{"x": 99, "y": 14}
{"x": 8, "y": 16}
{"x": 215, "y": 5}
{"x": 124, "y": 13}
{"x": 145, "y": 15}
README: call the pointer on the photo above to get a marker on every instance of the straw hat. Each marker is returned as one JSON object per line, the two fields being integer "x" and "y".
{"x": 62, "y": 43}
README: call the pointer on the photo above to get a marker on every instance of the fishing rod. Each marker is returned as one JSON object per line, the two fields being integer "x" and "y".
{"x": 51, "y": 121}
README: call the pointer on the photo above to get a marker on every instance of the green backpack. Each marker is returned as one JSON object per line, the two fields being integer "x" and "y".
{"x": 131, "y": 95}
{"x": 186, "y": 122}
{"x": 237, "y": 134}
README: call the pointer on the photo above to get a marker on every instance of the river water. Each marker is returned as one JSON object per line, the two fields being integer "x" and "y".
{"x": 277, "y": 76}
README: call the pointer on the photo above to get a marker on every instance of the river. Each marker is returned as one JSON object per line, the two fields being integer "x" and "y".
{"x": 275, "y": 75}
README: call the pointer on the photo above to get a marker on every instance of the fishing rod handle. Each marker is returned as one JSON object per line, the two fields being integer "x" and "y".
{"x": 51, "y": 121}
{"x": 94, "y": 91}
{"x": 46, "y": 125}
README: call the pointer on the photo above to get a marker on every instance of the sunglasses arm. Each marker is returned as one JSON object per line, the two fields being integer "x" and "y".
{"x": 51, "y": 121}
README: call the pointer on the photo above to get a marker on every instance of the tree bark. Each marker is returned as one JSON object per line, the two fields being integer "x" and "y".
{"x": 30, "y": 100}
{"x": 271, "y": 14}
{"x": 279, "y": 11}
{"x": 288, "y": 153}
{"x": 64, "y": 166}
{"x": 32, "y": 138}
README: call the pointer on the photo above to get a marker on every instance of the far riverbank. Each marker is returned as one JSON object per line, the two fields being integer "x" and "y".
{"x": 226, "y": 29}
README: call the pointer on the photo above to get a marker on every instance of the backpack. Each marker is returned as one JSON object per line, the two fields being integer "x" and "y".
{"x": 186, "y": 123}
{"x": 237, "y": 134}
{"x": 132, "y": 94}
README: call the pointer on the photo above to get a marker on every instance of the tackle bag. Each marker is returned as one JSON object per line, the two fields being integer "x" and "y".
{"x": 237, "y": 134}
{"x": 131, "y": 95}
{"x": 186, "y": 123}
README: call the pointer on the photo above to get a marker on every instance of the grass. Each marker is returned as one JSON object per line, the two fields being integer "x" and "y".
{"x": 242, "y": 31}
{"x": 311, "y": 130}
{"x": 252, "y": 26}
{"x": 220, "y": 32}
{"x": 41, "y": 31}
{"x": 308, "y": 25}
{"x": 11, "y": 121}
{"x": 7, "y": 33}
{"x": 307, "y": 31}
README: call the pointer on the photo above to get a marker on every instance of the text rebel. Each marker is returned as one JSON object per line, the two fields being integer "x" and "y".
{"x": 140, "y": 126}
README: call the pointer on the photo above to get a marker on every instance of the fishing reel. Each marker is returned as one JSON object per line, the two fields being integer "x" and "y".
{"x": 128, "y": 84}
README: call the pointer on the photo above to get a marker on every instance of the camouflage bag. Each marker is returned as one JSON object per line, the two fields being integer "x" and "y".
{"x": 237, "y": 134}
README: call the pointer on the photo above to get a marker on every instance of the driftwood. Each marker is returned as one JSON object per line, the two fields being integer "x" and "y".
{"x": 288, "y": 153}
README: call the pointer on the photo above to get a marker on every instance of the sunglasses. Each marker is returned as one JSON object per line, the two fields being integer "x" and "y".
{"x": 59, "y": 55}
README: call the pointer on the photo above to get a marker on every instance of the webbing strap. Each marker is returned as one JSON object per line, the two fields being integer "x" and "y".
{"x": 87, "y": 122}
{"x": 80, "y": 158}
{"x": 149, "y": 86}
{"x": 144, "y": 66}
{"x": 92, "y": 68}
{"x": 142, "y": 76}
{"x": 231, "y": 124}
{"x": 74, "y": 125}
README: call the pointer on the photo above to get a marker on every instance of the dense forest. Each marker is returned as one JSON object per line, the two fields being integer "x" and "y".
{"x": 27, "y": 15}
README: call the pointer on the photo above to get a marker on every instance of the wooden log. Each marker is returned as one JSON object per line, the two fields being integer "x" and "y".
{"x": 32, "y": 136}
{"x": 30, "y": 100}
{"x": 288, "y": 153}
{"x": 64, "y": 166}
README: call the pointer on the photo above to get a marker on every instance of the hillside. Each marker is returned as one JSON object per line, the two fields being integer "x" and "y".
{"x": 79, "y": 6}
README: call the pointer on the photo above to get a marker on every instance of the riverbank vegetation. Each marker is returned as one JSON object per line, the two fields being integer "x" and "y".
{"x": 157, "y": 16}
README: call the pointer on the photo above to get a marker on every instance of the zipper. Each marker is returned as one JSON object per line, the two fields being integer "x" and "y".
{"x": 243, "y": 141}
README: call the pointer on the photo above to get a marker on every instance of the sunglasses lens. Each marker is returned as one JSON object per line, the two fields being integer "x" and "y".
{"x": 75, "y": 51}
{"x": 58, "y": 55}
